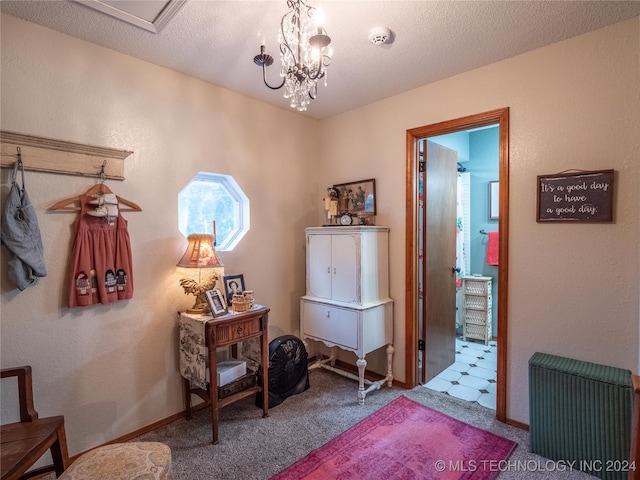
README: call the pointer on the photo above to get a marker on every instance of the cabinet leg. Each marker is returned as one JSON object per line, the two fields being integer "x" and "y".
{"x": 332, "y": 358}
{"x": 362, "y": 364}
{"x": 390, "y": 350}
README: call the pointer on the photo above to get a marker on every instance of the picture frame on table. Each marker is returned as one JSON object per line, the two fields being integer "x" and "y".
{"x": 356, "y": 197}
{"x": 233, "y": 284}
{"x": 216, "y": 302}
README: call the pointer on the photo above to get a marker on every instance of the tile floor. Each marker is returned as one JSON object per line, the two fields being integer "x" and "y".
{"x": 473, "y": 376}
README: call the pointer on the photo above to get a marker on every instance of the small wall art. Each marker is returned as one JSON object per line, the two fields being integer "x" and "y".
{"x": 494, "y": 200}
{"x": 582, "y": 196}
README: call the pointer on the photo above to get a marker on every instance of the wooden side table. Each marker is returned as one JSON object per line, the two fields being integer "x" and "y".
{"x": 223, "y": 331}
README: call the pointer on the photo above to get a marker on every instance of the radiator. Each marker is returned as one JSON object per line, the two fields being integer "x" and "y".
{"x": 580, "y": 412}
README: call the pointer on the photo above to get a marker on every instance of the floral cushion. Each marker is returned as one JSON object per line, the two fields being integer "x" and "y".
{"x": 122, "y": 461}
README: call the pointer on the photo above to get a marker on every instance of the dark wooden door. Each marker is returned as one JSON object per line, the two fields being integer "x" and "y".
{"x": 438, "y": 302}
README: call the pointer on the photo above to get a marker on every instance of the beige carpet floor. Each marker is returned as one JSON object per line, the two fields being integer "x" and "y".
{"x": 255, "y": 448}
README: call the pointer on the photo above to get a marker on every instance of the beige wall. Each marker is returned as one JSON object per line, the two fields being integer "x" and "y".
{"x": 113, "y": 369}
{"x": 573, "y": 288}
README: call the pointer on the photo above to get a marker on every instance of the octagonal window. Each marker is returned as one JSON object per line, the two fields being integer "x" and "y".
{"x": 209, "y": 197}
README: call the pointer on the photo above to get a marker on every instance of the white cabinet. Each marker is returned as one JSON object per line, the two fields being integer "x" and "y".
{"x": 477, "y": 308}
{"x": 338, "y": 326}
{"x": 347, "y": 302}
{"x": 331, "y": 271}
{"x": 348, "y": 265}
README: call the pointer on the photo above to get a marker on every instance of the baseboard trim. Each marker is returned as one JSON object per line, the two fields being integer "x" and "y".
{"x": 515, "y": 423}
{"x": 137, "y": 433}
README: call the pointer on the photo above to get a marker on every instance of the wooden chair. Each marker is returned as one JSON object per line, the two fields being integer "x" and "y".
{"x": 24, "y": 442}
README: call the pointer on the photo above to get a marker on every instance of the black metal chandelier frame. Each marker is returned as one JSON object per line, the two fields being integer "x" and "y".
{"x": 300, "y": 71}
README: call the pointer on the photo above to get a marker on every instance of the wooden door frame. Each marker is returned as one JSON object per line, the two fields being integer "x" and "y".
{"x": 500, "y": 117}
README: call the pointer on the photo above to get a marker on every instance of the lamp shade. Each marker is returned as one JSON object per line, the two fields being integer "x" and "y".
{"x": 200, "y": 253}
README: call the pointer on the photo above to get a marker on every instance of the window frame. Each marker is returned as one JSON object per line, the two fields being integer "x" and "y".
{"x": 241, "y": 219}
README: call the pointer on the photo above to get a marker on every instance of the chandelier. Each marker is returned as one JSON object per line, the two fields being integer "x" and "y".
{"x": 304, "y": 51}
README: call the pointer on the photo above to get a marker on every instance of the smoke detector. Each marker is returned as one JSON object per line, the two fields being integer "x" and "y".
{"x": 379, "y": 35}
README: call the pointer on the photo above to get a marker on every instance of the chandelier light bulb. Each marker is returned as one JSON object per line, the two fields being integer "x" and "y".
{"x": 319, "y": 17}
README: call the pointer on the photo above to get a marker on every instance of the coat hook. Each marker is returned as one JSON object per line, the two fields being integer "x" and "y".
{"x": 103, "y": 175}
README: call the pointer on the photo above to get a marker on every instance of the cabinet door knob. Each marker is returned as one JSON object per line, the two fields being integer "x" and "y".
{"x": 334, "y": 270}
{"x": 329, "y": 270}
{"x": 328, "y": 314}
{"x": 455, "y": 270}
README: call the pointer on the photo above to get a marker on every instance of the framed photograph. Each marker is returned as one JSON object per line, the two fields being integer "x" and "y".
{"x": 216, "y": 302}
{"x": 494, "y": 200}
{"x": 356, "y": 197}
{"x": 233, "y": 284}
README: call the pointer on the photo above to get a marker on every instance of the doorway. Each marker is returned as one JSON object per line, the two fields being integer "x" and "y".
{"x": 413, "y": 274}
{"x": 469, "y": 289}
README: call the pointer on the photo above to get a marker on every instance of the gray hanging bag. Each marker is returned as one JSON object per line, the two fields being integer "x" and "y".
{"x": 21, "y": 235}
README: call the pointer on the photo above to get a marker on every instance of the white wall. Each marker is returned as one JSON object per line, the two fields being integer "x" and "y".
{"x": 113, "y": 369}
{"x": 573, "y": 288}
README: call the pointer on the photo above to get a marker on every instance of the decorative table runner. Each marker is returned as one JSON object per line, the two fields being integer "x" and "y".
{"x": 194, "y": 355}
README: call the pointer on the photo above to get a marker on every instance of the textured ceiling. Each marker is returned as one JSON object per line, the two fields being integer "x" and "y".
{"x": 216, "y": 41}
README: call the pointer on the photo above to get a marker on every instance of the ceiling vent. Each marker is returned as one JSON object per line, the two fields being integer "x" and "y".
{"x": 151, "y": 15}
{"x": 379, "y": 35}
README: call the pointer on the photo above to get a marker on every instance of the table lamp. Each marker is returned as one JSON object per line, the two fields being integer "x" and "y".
{"x": 201, "y": 254}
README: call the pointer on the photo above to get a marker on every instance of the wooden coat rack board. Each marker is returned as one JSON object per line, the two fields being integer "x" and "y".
{"x": 43, "y": 154}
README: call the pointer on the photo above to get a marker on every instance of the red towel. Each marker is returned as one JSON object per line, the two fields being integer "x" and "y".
{"x": 492, "y": 249}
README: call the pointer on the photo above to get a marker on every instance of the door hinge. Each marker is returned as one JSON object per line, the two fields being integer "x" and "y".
{"x": 421, "y": 166}
{"x": 421, "y": 345}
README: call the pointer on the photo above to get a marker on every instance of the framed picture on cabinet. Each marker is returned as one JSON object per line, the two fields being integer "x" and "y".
{"x": 216, "y": 302}
{"x": 356, "y": 197}
{"x": 233, "y": 284}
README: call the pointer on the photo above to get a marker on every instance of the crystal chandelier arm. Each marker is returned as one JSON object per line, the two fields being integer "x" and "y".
{"x": 264, "y": 60}
{"x": 285, "y": 48}
{"x": 264, "y": 78}
{"x": 323, "y": 61}
{"x": 312, "y": 96}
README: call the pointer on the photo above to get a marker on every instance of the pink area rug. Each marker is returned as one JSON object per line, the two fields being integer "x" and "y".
{"x": 405, "y": 440}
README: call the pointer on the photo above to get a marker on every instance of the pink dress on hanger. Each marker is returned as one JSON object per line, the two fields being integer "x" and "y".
{"x": 100, "y": 267}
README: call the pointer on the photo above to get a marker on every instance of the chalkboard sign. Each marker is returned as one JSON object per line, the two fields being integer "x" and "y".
{"x": 576, "y": 197}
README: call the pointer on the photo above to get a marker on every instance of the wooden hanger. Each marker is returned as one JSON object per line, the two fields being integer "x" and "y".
{"x": 98, "y": 189}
